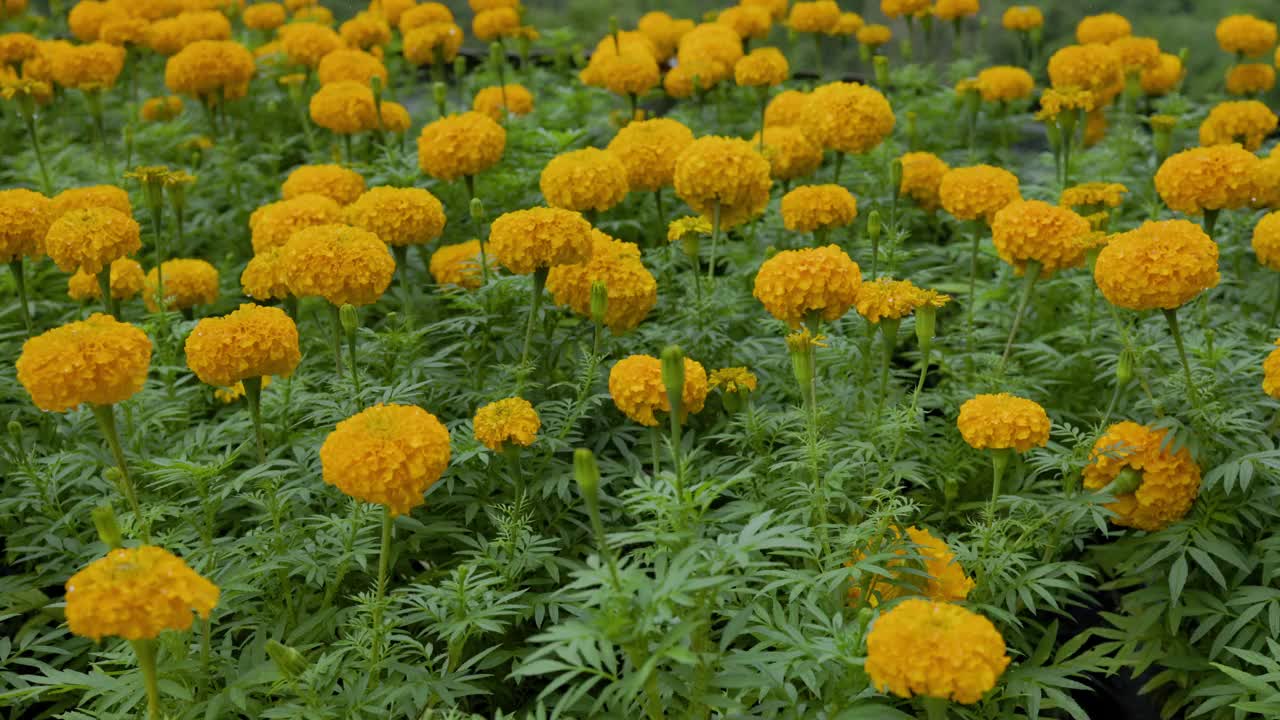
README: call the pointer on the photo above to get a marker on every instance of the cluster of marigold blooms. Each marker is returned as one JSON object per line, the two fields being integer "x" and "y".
{"x": 333, "y": 238}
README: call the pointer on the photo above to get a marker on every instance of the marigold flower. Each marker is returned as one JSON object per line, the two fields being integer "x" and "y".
{"x": 126, "y": 282}
{"x": 344, "y": 107}
{"x": 1170, "y": 480}
{"x": 1054, "y": 102}
{"x": 457, "y": 264}
{"x": 264, "y": 16}
{"x": 17, "y": 46}
{"x": 1022, "y": 18}
{"x": 210, "y": 70}
{"x": 630, "y": 287}
{"x": 121, "y": 31}
{"x": 922, "y": 174}
{"x": 274, "y": 223}
{"x": 395, "y": 118}
{"x": 1266, "y": 241}
{"x": 365, "y": 30}
{"x": 540, "y": 238}
{"x": 1247, "y": 122}
{"x": 688, "y": 226}
{"x": 631, "y": 72}
{"x": 1159, "y": 265}
{"x": 100, "y": 361}
{"x": 664, "y": 32}
{"x": 344, "y": 265}
{"x": 512, "y": 420}
{"x": 679, "y": 81}
{"x": 264, "y": 277}
{"x": 1005, "y": 83}
{"x": 514, "y": 98}
{"x": 791, "y": 154}
{"x": 581, "y": 180}
{"x": 785, "y": 109}
{"x": 93, "y": 196}
{"x": 1095, "y": 128}
{"x": 388, "y": 455}
{"x": 86, "y": 18}
{"x": 233, "y": 393}
{"x": 978, "y": 192}
{"x": 188, "y": 282}
{"x": 848, "y": 25}
{"x": 1031, "y": 230}
{"x": 1207, "y": 178}
{"x": 251, "y": 342}
{"x": 635, "y": 383}
{"x": 733, "y": 379}
{"x": 946, "y": 581}
{"x": 91, "y": 239}
{"x": 1003, "y": 421}
{"x": 1093, "y": 195}
{"x": 1266, "y": 181}
{"x": 1250, "y": 79}
{"x": 352, "y": 65}
{"x": 170, "y": 35}
{"x": 626, "y": 43}
{"x": 874, "y": 36}
{"x": 25, "y": 217}
{"x": 161, "y": 109}
{"x": 749, "y": 21}
{"x": 648, "y": 150}
{"x": 762, "y": 67}
{"x": 725, "y": 172}
{"x": 955, "y": 9}
{"x": 811, "y": 208}
{"x": 847, "y": 117}
{"x": 887, "y": 299}
{"x": 432, "y": 43}
{"x": 307, "y": 43}
{"x": 95, "y": 66}
{"x": 398, "y": 216}
{"x": 1103, "y": 28}
{"x": 1093, "y": 67}
{"x": 340, "y": 184}
{"x": 814, "y": 17}
{"x": 1164, "y": 76}
{"x": 459, "y": 145}
{"x": 416, "y": 16}
{"x": 714, "y": 49}
{"x": 904, "y": 8}
{"x": 1246, "y": 35}
{"x": 936, "y": 650}
{"x": 1137, "y": 53}
{"x": 492, "y": 24}
{"x": 136, "y": 593}
{"x": 795, "y": 284}
{"x": 1271, "y": 373}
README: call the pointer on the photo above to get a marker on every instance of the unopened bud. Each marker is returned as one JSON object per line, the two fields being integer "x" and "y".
{"x": 587, "y": 474}
{"x": 459, "y": 67}
{"x": 895, "y": 175}
{"x": 1124, "y": 368}
{"x": 864, "y": 618}
{"x": 291, "y": 662}
{"x": 882, "y": 67}
{"x": 477, "y": 209}
{"x": 599, "y": 302}
{"x": 15, "y": 434}
{"x": 874, "y": 225}
{"x": 441, "y": 93}
{"x": 350, "y": 320}
{"x": 951, "y": 489}
{"x": 104, "y": 519}
{"x": 496, "y": 55}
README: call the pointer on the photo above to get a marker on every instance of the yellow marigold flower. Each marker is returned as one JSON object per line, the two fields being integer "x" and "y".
{"x": 395, "y": 118}
{"x": 648, "y": 150}
{"x": 847, "y": 117}
{"x": 1164, "y": 76}
{"x": 1003, "y": 421}
{"x": 457, "y": 264}
{"x": 887, "y": 299}
{"x": 100, "y": 361}
{"x": 432, "y": 43}
{"x": 413, "y": 17}
{"x": 496, "y": 23}
{"x": 1266, "y": 240}
{"x": 630, "y": 73}
{"x": 1246, "y": 35}
{"x": 777, "y": 8}
{"x": 251, "y": 342}
{"x": 342, "y": 185}
{"x": 1022, "y": 18}
{"x": 587, "y": 179}
{"x": 795, "y": 284}
{"x": 136, "y": 593}
{"x": 874, "y": 36}
{"x": 512, "y": 420}
{"x": 352, "y": 65}
{"x": 814, "y": 17}
{"x": 1247, "y": 122}
{"x": 95, "y": 66}
{"x": 786, "y": 109}
{"x": 1170, "y": 480}
{"x": 1095, "y": 128}
{"x": 161, "y": 109}
{"x": 946, "y": 581}
{"x": 955, "y": 9}
{"x": 725, "y": 172}
{"x": 848, "y": 24}
{"x": 398, "y": 216}
{"x": 904, "y": 8}
{"x": 664, "y": 32}
{"x": 630, "y": 287}
{"x": 678, "y": 82}
{"x": 1207, "y": 178}
{"x": 210, "y": 70}
{"x": 344, "y": 107}
{"x": 344, "y": 265}
{"x": 365, "y": 30}
{"x": 1094, "y": 67}
{"x": 460, "y": 145}
{"x": 264, "y": 277}
{"x": 1271, "y": 373}
{"x": 733, "y": 379}
{"x": 482, "y": 5}
{"x": 749, "y": 21}
{"x": 1137, "y": 53}
{"x": 1054, "y": 102}
{"x": 264, "y": 16}
{"x": 612, "y": 46}
{"x": 811, "y": 208}
{"x": 935, "y": 649}
{"x": 1159, "y": 265}
{"x": 635, "y": 383}
{"x": 91, "y": 239}
{"x": 1093, "y": 195}
{"x": 121, "y": 31}
{"x": 762, "y": 67}
{"x": 1031, "y": 230}
{"x": 1266, "y": 181}
{"x": 25, "y": 217}
{"x": 388, "y": 455}
{"x": 681, "y": 228}
{"x": 1103, "y": 28}
{"x": 978, "y": 192}
{"x": 791, "y": 154}
{"x": 231, "y": 394}
{"x": 188, "y": 282}
{"x": 17, "y": 46}
{"x": 274, "y": 223}
{"x": 307, "y": 43}
{"x": 126, "y": 282}
{"x": 170, "y": 35}
{"x": 713, "y": 48}
{"x": 922, "y": 174}
{"x": 86, "y": 18}
{"x": 514, "y": 98}
{"x": 1250, "y": 79}
{"x": 93, "y": 196}
{"x": 1005, "y": 83}
{"x": 540, "y": 238}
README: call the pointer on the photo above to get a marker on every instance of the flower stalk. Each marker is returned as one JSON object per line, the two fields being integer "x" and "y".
{"x": 1032, "y": 271}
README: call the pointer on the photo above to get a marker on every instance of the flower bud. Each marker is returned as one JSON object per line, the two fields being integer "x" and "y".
{"x": 865, "y": 615}
{"x": 673, "y": 375}
{"x": 477, "y": 210}
{"x": 864, "y": 53}
{"x": 350, "y": 320}
{"x": 951, "y": 489}
{"x": 1126, "y": 483}
{"x": 15, "y": 434}
{"x": 104, "y": 519}
{"x": 441, "y": 92}
{"x": 599, "y": 302}
{"x": 873, "y": 226}
{"x": 459, "y": 66}
{"x": 496, "y": 55}
{"x": 895, "y": 175}
{"x": 1124, "y": 368}
{"x": 587, "y": 474}
{"x": 882, "y": 65}
{"x": 291, "y": 662}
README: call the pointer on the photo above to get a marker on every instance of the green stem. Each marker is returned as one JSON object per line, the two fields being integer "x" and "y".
{"x": 146, "y": 652}
{"x": 926, "y": 349}
{"x": 253, "y": 395}
{"x": 715, "y": 238}
{"x": 973, "y": 288}
{"x": 153, "y": 202}
{"x": 676, "y": 456}
{"x": 889, "y": 328}
{"x": 935, "y": 708}
{"x": 1172, "y": 317}
{"x": 20, "y": 280}
{"x": 655, "y": 445}
{"x": 839, "y": 167}
{"x": 29, "y": 117}
{"x": 355, "y": 368}
{"x": 1275, "y": 308}
{"x": 107, "y": 423}
{"x": 104, "y": 287}
{"x": 539, "y": 282}
{"x": 1029, "y": 285}
{"x": 384, "y": 557}
{"x": 336, "y": 320}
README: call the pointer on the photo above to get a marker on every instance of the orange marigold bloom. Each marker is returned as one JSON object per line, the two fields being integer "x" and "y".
{"x": 648, "y": 150}
{"x": 210, "y": 70}
{"x": 274, "y": 223}
{"x": 1137, "y": 53}
{"x": 1003, "y": 421}
{"x": 161, "y": 109}
{"x": 91, "y": 67}
{"x": 922, "y": 174}
{"x": 946, "y": 581}
{"x": 714, "y": 49}
{"x": 635, "y": 383}
{"x": 389, "y": 455}
{"x": 587, "y": 179}
{"x": 1094, "y": 67}
{"x": 1022, "y": 18}
{"x": 91, "y": 239}
{"x": 1054, "y": 102}
{"x": 100, "y": 361}
{"x": 339, "y": 184}
{"x": 786, "y": 109}
{"x": 170, "y": 35}
{"x": 251, "y": 342}
{"x": 460, "y": 145}
{"x": 664, "y": 32}
{"x": 1170, "y": 480}
{"x": 264, "y": 16}
{"x": 126, "y": 282}
{"x": 630, "y": 287}
{"x": 513, "y": 97}
{"x": 525, "y": 241}
{"x": 887, "y": 299}
{"x": 795, "y": 284}
{"x": 136, "y": 593}
{"x": 1247, "y": 122}
{"x": 344, "y": 107}
{"x": 733, "y": 380}
{"x": 811, "y": 208}
{"x": 955, "y": 9}
{"x": 978, "y": 192}
{"x": 1266, "y": 241}
{"x": 17, "y": 46}
{"x": 416, "y": 16}
{"x": 847, "y": 117}
{"x": 874, "y": 36}
{"x": 726, "y": 173}
{"x": 1266, "y": 181}
{"x": 264, "y": 277}
{"x": 1250, "y": 79}
{"x": 433, "y": 43}
{"x": 1103, "y": 28}
{"x": 395, "y": 118}
{"x": 365, "y": 30}
{"x": 749, "y": 21}
{"x": 1005, "y": 83}
{"x": 821, "y": 16}
{"x": 187, "y": 282}
{"x": 341, "y": 264}
{"x": 1207, "y": 178}
{"x": 1031, "y": 230}
{"x": 93, "y": 196}
{"x": 398, "y": 216}
{"x": 1164, "y": 76}
{"x": 1271, "y": 373}
{"x": 1159, "y": 265}
{"x": 492, "y": 24}
{"x": 121, "y": 31}
{"x": 457, "y": 264}
{"x": 512, "y": 420}
{"x": 762, "y": 67}
{"x": 353, "y": 65}
{"x": 307, "y": 43}
{"x": 791, "y": 154}
{"x": 1246, "y": 35}
{"x": 25, "y": 217}
{"x": 1093, "y": 195}
{"x": 609, "y": 49}
{"x": 904, "y": 8}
